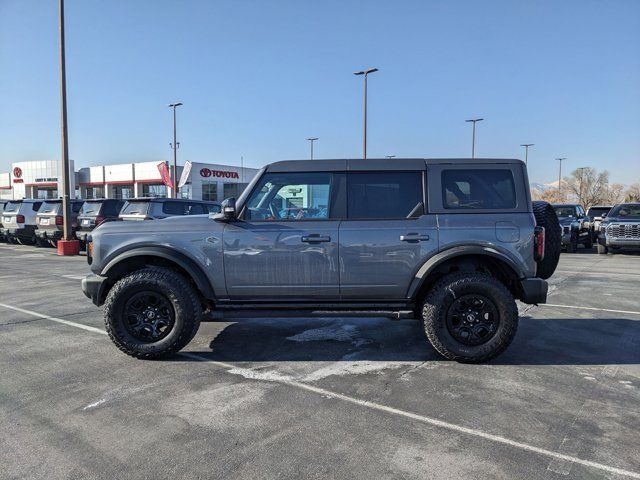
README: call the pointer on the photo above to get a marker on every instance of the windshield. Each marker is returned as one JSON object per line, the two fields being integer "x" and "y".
{"x": 49, "y": 207}
{"x": 628, "y": 210}
{"x": 12, "y": 207}
{"x": 598, "y": 211}
{"x": 135, "y": 208}
{"x": 565, "y": 211}
{"x": 90, "y": 208}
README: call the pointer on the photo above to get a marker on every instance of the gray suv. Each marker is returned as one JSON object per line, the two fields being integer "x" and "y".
{"x": 453, "y": 242}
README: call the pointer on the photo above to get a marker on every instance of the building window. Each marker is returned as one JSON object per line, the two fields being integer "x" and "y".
{"x": 93, "y": 192}
{"x": 210, "y": 191}
{"x": 230, "y": 190}
{"x": 123, "y": 191}
{"x": 154, "y": 190}
{"x": 45, "y": 193}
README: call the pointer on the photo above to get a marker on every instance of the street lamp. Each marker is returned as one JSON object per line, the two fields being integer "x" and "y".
{"x": 364, "y": 138}
{"x": 473, "y": 138}
{"x": 66, "y": 247}
{"x": 526, "y": 151}
{"x": 311, "y": 140}
{"x": 560, "y": 177}
{"x": 174, "y": 146}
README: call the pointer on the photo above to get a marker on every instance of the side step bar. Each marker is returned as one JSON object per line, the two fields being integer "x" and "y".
{"x": 232, "y": 314}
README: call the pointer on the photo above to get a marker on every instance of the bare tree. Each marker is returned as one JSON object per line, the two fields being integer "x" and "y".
{"x": 633, "y": 193}
{"x": 588, "y": 186}
{"x": 615, "y": 194}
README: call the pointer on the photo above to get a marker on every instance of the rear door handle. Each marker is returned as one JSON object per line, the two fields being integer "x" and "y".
{"x": 315, "y": 238}
{"x": 413, "y": 237}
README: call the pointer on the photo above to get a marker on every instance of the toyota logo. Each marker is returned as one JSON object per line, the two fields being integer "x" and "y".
{"x": 17, "y": 172}
{"x": 205, "y": 172}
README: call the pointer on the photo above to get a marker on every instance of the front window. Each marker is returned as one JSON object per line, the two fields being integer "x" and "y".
{"x": 290, "y": 196}
{"x": 629, "y": 210}
{"x": 598, "y": 212}
{"x": 565, "y": 212}
{"x": 490, "y": 189}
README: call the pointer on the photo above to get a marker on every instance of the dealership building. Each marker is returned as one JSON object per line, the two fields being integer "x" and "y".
{"x": 43, "y": 179}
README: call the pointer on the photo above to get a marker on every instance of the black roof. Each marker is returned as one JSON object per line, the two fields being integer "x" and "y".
{"x": 359, "y": 164}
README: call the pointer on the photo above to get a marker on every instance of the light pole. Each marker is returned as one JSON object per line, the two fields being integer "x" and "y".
{"x": 364, "y": 137}
{"x": 560, "y": 178}
{"x": 66, "y": 220}
{"x": 311, "y": 140}
{"x": 174, "y": 146}
{"x": 473, "y": 138}
{"x": 526, "y": 151}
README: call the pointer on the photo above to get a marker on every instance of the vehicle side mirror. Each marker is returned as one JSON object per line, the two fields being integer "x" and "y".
{"x": 228, "y": 212}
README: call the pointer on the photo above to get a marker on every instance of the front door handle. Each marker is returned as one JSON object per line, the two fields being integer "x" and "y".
{"x": 315, "y": 238}
{"x": 413, "y": 237}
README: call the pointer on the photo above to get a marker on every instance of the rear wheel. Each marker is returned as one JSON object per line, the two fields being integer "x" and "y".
{"x": 546, "y": 217}
{"x": 470, "y": 317}
{"x": 573, "y": 243}
{"x": 152, "y": 313}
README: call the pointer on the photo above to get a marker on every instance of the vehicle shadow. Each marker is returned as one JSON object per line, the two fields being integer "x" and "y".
{"x": 556, "y": 341}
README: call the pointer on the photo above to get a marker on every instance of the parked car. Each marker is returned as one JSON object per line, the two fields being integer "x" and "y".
{"x": 2, "y": 236}
{"x": 19, "y": 221}
{"x": 620, "y": 228}
{"x": 453, "y": 242}
{"x": 575, "y": 226}
{"x": 158, "y": 208}
{"x": 595, "y": 215}
{"x": 94, "y": 213}
{"x": 49, "y": 221}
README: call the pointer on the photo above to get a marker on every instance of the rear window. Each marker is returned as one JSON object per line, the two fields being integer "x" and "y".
{"x": 135, "y": 208}
{"x": 12, "y": 207}
{"x": 478, "y": 189}
{"x": 50, "y": 207}
{"x": 91, "y": 208}
{"x": 384, "y": 195}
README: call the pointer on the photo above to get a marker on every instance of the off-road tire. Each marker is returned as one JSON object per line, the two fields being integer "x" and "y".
{"x": 602, "y": 249}
{"x": 176, "y": 289}
{"x": 546, "y": 217}
{"x": 443, "y": 294}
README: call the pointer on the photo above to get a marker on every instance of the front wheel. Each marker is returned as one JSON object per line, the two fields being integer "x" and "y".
{"x": 152, "y": 313}
{"x": 573, "y": 243}
{"x": 602, "y": 249}
{"x": 470, "y": 317}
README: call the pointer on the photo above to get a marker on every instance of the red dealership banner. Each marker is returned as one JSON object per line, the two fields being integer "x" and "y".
{"x": 164, "y": 173}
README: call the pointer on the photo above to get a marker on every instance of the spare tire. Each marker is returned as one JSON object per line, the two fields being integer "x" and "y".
{"x": 546, "y": 217}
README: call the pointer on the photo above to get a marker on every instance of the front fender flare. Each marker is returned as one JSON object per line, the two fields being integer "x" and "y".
{"x": 432, "y": 263}
{"x": 180, "y": 259}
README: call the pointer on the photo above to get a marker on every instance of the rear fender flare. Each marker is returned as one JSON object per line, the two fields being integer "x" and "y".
{"x": 432, "y": 263}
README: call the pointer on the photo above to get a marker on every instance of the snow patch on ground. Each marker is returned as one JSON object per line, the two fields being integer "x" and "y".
{"x": 339, "y": 333}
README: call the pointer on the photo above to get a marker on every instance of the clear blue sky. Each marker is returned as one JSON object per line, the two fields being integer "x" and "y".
{"x": 258, "y": 77}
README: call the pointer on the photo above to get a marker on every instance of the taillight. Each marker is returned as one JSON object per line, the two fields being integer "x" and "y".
{"x": 19, "y": 218}
{"x": 59, "y": 220}
{"x": 99, "y": 220}
{"x": 538, "y": 243}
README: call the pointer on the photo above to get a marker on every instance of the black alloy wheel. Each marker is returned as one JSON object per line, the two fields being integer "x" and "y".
{"x": 148, "y": 316}
{"x": 472, "y": 319}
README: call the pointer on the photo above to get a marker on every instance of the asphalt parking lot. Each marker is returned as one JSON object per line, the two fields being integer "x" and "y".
{"x": 337, "y": 398}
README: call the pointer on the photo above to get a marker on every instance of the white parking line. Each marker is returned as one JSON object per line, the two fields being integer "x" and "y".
{"x": 589, "y": 308}
{"x": 54, "y": 319}
{"x": 367, "y": 404}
